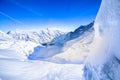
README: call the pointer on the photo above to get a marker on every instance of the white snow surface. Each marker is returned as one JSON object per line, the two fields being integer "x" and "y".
{"x": 12, "y": 69}
{"x": 15, "y": 66}
{"x": 75, "y": 51}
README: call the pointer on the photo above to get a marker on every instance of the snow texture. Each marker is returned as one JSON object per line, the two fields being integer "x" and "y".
{"x": 103, "y": 62}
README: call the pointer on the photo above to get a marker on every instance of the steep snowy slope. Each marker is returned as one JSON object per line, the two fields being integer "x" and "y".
{"x": 104, "y": 58}
{"x": 73, "y": 34}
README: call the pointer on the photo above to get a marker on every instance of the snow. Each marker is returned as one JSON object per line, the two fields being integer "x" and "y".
{"x": 20, "y": 47}
{"x": 39, "y": 70}
{"x": 74, "y": 51}
{"x": 107, "y": 32}
{"x": 92, "y": 56}
{"x": 103, "y": 62}
{"x": 15, "y": 66}
{"x": 38, "y": 37}
{"x": 44, "y": 52}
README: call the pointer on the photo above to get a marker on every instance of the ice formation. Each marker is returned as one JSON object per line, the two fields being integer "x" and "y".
{"x": 104, "y": 59}
{"x": 107, "y": 31}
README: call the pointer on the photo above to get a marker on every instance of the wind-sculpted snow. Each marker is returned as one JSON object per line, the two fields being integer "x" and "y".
{"x": 107, "y": 29}
{"x": 104, "y": 58}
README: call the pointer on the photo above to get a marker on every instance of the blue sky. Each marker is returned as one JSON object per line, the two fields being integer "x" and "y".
{"x": 37, "y": 14}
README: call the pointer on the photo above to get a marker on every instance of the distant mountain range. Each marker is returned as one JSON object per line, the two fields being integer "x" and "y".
{"x": 38, "y": 37}
{"x": 25, "y": 41}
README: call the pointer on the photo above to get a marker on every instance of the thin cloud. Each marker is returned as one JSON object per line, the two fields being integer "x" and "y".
{"x": 28, "y": 9}
{"x": 13, "y": 19}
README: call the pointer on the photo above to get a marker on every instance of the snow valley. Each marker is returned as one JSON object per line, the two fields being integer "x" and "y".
{"x": 39, "y": 52}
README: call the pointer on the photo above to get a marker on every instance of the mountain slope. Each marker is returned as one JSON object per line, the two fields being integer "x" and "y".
{"x": 16, "y": 66}
{"x": 4, "y": 36}
{"x": 74, "y": 34}
{"x": 60, "y": 44}
{"x": 76, "y": 50}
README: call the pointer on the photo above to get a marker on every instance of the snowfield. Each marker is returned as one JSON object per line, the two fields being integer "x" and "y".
{"x": 13, "y": 69}
{"x": 15, "y": 63}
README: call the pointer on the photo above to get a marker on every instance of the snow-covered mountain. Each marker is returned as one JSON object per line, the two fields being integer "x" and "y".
{"x": 38, "y": 37}
{"x": 61, "y": 43}
{"x": 13, "y": 55}
{"x": 73, "y": 34}
{"x": 16, "y": 51}
{"x": 4, "y": 36}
